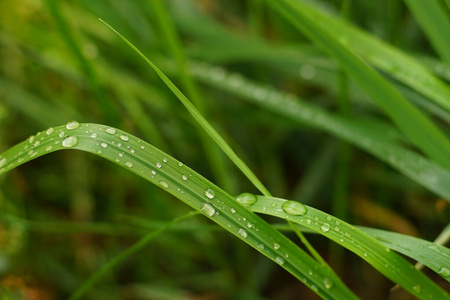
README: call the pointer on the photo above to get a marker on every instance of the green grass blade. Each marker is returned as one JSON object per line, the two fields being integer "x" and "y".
{"x": 111, "y": 264}
{"x": 169, "y": 34}
{"x": 199, "y": 118}
{"x": 185, "y": 184}
{"x": 435, "y": 23}
{"x": 373, "y": 138}
{"x": 419, "y": 129}
{"x": 383, "y": 56}
{"x": 379, "y": 256}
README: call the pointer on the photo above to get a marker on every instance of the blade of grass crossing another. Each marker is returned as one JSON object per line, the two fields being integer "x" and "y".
{"x": 185, "y": 184}
{"x": 199, "y": 118}
{"x": 379, "y": 256}
{"x": 418, "y": 128}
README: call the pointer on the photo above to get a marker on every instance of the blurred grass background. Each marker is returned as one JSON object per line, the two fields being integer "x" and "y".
{"x": 64, "y": 215}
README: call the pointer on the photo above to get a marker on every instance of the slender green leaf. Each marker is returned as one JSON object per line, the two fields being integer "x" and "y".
{"x": 371, "y": 137}
{"x": 185, "y": 184}
{"x": 435, "y": 23}
{"x": 379, "y": 256}
{"x": 421, "y": 131}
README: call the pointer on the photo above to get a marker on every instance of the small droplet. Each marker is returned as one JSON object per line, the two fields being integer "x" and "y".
{"x": 329, "y": 218}
{"x": 209, "y": 193}
{"x": 242, "y": 233}
{"x": 2, "y": 162}
{"x": 294, "y": 208}
{"x": 94, "y": 135}
{"x": 124, "y": 137}
{"x": 153, "y": 172}
{"x": 163, "y": 184}
{"x": 158, "y": 165}
{"x": 48, "y": 148}
{"x": 31, "y": 139}
{"x": 132, "y": 151}
{"x": 110, "y": 130}
{"x": 325, "y": 227}
{"x": 72, "y": 125}
{"x": 184, "y": 177}
{"x": 142, "y": 147}
{"x": 208, "y": 209}
{"x": 444, "y": 272}
{"x": 308, "y": 221}
{"x": 246, "y": 199}
{"x": 62, "y": 134}
{"x": 279, "y": 260}
{"x": 417, "y": 288}
{"x": 164, "y": 159}
{"x": 49, "y": 131}
{"x": 70, "y": 141}
{"x": 276, "y": 246}
{"x": 129, "y": 164}
{"x": 121, "y": 154}
{"x": 327, "y": 283}
{"x": 180, "y": 164}
{"x": 233, "y": 211}
{"x": 103, "y": 145}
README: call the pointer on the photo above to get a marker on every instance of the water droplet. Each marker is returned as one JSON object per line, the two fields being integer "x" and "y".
{"x": 249, "y": 225}
{"x": 180, "y": 164}
{"x": 444, "y": 272}
{"x": 70, "y": 141}
{"x": 184, "y": 177}
{"x": 417, "y": 288}
{"x": 158, "y": 165}
{"x": 129, "y": 164}
{"x": 124, "y": 137}
{"x": 37, "y": 143}
{"x": 208, "y": 209}
{"x": 209, "y": 193}
{"x": 329, "y": 218}
{"x": 49, "y": 131}
{"x": 246, "y": 199}
{"x": 110, "y": 130}
{"x": 325, "y": 227}
{"x": 103, "y": 145}
{"x": 276, "y": 246}
{"x": 242, "y": 233}
{"x": 72, "y": 125}
{"x": 31, "y": 139}
{"x": 163, "y": 184}
{"x": 121, "y": 154}
{"x": 94, "y": 135}
{"x": 308, "y": 221}
{"x": 294, "y": 208}
{"x": 279, "y": 260}
{"x": 2, "y": 162}
{"x": 62, "y": 134}
{"x": 153, "y": 172}
{"x": 132, "y": 151}
{"x": 327, "y": 283}
{"x": 338, "y": 222}
{"x": 142, "y": 147}
{"x": 48, "y": 148}
{"x": 164, "y": 159}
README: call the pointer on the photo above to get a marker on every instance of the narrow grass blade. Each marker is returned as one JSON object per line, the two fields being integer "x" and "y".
{"x": 435, "y": 23}
{"x": 419, "y": 129}
{"x": 379, "y": 256}
{"x": 185, "y": 184}
{"x": 380, "y": 141}
{"x": 199, "y": 118}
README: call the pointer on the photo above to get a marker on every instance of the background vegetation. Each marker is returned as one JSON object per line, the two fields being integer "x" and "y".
{"x": 313, "y": 122}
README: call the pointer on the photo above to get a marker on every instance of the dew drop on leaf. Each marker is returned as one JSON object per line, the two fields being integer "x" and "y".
{"x": 158, "y": 165}
{"x": 129, "y": 164}
{"x": 208, "y": 209}
{"x": 124, "y": 137}
{"x": 445, "y": 272}
{"x": 103, "y": 145}
{"x": 242, "y": 233}
{"x": 325, "y": 227}
{"x": 294, "y": 208}
{"x": 279, "y": 260}
{"x": 94, "y": 135}
{"x": 246, "y": 199}
{"x": 49, "y": 131}
{"x": 110, "y": 130}
{"x": 184, "y": 177}
{"x": 327, "y": 283}
{"x": 209, "y": 193}
{"x": 276, "y": 246}
{"x": 70, "y": 141}
{"x": 72, "y": 125}
{"x": 164, "y": 184}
